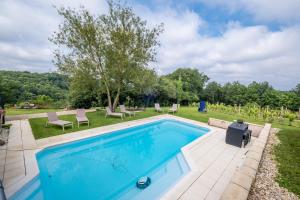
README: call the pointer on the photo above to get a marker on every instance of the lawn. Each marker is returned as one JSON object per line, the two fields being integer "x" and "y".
{"x": 97, "y": 119}
{"x": 287, "y": 152}
{"x": 16, "y": 111}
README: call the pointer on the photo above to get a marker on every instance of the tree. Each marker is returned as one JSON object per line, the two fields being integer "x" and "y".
{"x": 297, "y": 90}
{"x": 256, "y": 91}
{"x": 213, "y": 92}
{"x": 166, "y": 90}
{"x": 16, "y": 87}
{"x": 192, "y": 82}
{"x": 117, "y": 47}
{"x": 234, "y": 93}
{"x": 84, "y": 89}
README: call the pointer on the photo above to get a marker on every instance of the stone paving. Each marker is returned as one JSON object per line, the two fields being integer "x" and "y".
{"x": 212, "y": 161}
{"x": 13, "y": 160}
{"x": 213, "y": 164}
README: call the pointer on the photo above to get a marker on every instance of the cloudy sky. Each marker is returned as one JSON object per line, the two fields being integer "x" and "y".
{"x": 228, "y": 40}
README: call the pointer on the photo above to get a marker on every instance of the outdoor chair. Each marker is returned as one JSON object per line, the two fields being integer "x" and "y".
{"x": 157, "y": 107}
{"x": 81, "y": 117}
{"x": 123, "y": 110}
{"x": 53, "y": 119}
{"x": 110, "y": 113}
{"x": 173, "y": 109}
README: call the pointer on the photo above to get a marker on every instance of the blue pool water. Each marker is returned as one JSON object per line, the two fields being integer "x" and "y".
{"x": 108, "y": 166}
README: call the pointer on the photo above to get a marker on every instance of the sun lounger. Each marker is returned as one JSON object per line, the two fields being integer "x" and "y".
{"x": 110, "y": 113}
{"x": 123, "y": 110}
{"x": 81, "y": 117}
{"x": 53, "y": 119}
{"x": 173, "y": 109}
{"x": 157, "y": 107}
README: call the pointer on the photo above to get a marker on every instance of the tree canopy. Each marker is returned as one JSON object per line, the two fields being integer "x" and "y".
{"x": 116, "y": 47}
{"x": 16, "y": 87}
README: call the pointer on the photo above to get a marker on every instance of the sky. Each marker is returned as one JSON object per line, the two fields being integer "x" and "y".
{"x": 228, "y": 40}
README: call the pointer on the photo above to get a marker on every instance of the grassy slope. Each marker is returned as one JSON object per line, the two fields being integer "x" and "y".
{"x": 287, "y": 153}
{"x": 14, "y": 111}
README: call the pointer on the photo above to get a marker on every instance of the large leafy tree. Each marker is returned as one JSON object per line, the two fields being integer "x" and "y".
{"x": 117, "y": 46}
{"x": 213, "y": 92}
{"x": 190, "y": 83}
{"x": 255, "y": 92}
{"x": 234, "y": 93}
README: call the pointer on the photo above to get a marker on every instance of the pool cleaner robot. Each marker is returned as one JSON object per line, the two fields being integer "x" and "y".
{"x": 143, "y": 182}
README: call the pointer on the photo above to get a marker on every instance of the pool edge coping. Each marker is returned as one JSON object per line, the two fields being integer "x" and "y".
{"x": 32, "y": 165}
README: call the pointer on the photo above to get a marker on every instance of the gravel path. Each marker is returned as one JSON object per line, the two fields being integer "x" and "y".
{"x": 265, "y": 186}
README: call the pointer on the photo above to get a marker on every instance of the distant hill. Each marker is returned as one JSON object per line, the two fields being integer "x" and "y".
{"x": 16, "y": 86}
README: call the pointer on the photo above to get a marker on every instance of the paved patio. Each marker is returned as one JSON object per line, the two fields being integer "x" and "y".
{"x": 213, "y": 164}
{"x": 212, "y": 161}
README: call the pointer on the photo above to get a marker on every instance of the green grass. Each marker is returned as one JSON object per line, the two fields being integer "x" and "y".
{"x": 16, "y": 111}
{"x": 287, "y": 153}
{"x": 288, "y": 158}
{"x": 97, "y": 119}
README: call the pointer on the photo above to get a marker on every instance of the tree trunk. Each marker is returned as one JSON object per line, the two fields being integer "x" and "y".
{"x": 108, "y": 97}
{"x": 116, "y": 101}
{"x": 109, "y": 100}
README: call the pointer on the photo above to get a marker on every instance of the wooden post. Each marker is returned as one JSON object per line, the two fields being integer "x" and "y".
{"x": 299, "y": 114}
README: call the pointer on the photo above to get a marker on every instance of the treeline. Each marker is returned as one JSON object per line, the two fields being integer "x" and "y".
{"x": 263, "y": 94}
{"x": 185, "y": 86}
{"x": 21, "y": 87}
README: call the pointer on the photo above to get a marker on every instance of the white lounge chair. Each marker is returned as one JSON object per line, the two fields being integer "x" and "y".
{"x": 157, "y": 107}
{"x": 123, "y": 110}
{"x": 110, "y": 113}
{"x": 53, "y": 119}
{"x": 173, "y": 109}
{"x": 81, "y": 117}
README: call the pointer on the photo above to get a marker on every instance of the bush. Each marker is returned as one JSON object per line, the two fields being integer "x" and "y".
{"x": 291, "y": 117}
{"x": 43, "y": 101}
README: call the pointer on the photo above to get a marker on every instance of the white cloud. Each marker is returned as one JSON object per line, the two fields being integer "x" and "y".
{"x": 262, "y": 10}
{"x": 240, "y": 53}
{"x": 25, "y": 29}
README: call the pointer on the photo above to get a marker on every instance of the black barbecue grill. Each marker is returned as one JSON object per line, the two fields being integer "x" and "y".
{"x": 238, "y": 134}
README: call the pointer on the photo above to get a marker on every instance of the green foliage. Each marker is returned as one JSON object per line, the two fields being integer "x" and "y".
{"x": 291, "y": 117}
{"x": 16, "y": 87}
{"x": 84, "y": 89}
{"x": 166, "y": 91}
{"x": 115, "y": 47}
{"x": 43, "y": 101}
{"x": 189, "y": 84}
{"x": 262, "y": 94}
{"x": 254, "y": 111}
{"x": 296, "y": 90}
{"x": 213, "y": 92}
{"x": 234, "y": 93}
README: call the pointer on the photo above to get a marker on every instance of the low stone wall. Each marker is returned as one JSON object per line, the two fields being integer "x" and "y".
{"x": 218, "y": 123}
{"x": 241, "y": 181}
{"x": 255, "y": 128}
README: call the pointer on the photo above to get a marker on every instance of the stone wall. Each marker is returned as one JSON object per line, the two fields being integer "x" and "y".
{"x": 255, "y": 128}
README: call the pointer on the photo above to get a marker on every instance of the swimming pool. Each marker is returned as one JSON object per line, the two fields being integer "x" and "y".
{"x": 108, "y": 166}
